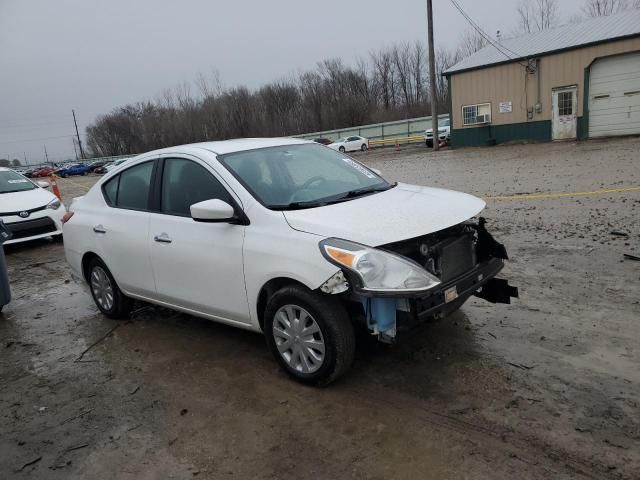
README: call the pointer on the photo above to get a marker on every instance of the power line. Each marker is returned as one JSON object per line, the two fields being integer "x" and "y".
{"x": 484, "y": 35}
{"x": 38, "y": 139}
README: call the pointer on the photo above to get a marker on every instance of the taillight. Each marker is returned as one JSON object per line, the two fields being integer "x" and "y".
{"x": 66, "y": 217}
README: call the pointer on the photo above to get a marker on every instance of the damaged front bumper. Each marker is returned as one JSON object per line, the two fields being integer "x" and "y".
{"x": 387, "y": 314}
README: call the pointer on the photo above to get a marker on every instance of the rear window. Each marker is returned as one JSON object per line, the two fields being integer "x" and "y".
{"x": 130, "y": 189}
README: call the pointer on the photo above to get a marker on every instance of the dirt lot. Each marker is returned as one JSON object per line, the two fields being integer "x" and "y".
{"x": 548, "y": 387}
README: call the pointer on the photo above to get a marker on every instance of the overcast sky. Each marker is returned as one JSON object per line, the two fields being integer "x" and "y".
{"x": 94, "y": 55}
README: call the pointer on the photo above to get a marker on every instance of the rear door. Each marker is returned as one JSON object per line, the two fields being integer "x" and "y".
{"x": 197, "y": 266}
{"x": 121, "y": 231}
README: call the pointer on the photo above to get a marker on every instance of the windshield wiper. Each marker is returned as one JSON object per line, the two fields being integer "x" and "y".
{"x": 298, "y": 205}
{"x": 362, "y": 191}
{"x": 335, "y": 199}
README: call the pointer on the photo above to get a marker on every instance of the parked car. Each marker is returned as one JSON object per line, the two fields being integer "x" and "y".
{"x": 95, "y": 165}
{"x": 42, "y": 172}
{"x": 444, "y": 133}
{"x": 102, "y": 169}
{"x": 283, "y": 237}
{"x": 350, "y": 144}
{"x": 323, "y": 141}
{"x": 73, "y": 169}
{"x": 115, "y": 164}
{"x": 27, "y": 209}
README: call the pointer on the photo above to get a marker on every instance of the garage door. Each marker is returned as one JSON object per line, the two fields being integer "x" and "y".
{"x": 614, "y": 96}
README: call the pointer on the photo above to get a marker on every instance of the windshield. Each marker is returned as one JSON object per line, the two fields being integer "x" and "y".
{"x": 301, "y": 176}
{"x": 444, "y": 123}
{"x": 11, "y": 181}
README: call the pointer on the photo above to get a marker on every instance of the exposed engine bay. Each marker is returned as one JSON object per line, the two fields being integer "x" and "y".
{"x": 465, "y": 257}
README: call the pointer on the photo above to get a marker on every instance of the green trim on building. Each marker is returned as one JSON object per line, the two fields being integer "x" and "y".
{"x": 495, "y": 134}
{"x": 450, "y": 102}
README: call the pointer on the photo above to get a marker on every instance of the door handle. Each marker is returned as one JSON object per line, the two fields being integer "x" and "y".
{"x": 99, "y": 229}
{"x": 162, "y": 238}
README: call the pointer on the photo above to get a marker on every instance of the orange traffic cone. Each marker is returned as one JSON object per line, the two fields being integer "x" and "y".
{"x": 54, "y": 185}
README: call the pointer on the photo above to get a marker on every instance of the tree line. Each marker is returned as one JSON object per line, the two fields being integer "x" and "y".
{"x": 389, "y": 84}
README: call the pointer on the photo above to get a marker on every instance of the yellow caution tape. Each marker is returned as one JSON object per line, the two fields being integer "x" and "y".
{"x": 562, "y": 195}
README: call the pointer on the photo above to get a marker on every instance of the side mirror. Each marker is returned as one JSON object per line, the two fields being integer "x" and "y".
{"x": 212, "y": 211}
{"x": 42, "y": 184}
{"x": 376, "y": 171}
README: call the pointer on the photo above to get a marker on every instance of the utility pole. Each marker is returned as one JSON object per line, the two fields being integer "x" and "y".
{"x": 25, "y": 158}
{"x": 77, "y": 134}
{"x": 432, "y": 79}
{"x": 75, "y": 149}
{"x": 46, "y": 155}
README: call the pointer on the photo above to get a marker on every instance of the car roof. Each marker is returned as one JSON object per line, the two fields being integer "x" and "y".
{"x": 238, "y": 145}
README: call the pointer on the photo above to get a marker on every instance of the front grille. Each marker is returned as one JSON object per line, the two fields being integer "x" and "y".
{"x": 9, "y": 214}
{"x": 31, "y": 228}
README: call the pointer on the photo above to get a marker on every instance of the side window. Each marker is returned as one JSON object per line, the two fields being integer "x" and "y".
{"x": 134, "y": 186}
{"x": 110, "y": 190}
{"x": 353, "y": 139}
{"x": 184, "y": 183}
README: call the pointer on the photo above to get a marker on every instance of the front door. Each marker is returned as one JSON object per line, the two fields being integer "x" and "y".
{"x": 565, "y": 113}
{"x": 196, "y": 265}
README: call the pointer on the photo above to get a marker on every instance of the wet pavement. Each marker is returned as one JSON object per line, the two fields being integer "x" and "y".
{"x": 548, "y": 387}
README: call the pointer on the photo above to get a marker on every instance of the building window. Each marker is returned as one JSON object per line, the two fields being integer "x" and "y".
{"x": 565, "y": 103}
{"x": 476, "y": 114}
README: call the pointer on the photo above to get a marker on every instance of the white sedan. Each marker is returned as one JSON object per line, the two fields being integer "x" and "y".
{"x": 350, "y": 144}
{"x": 27, "y": 209}
{"x": 283, "y": 237}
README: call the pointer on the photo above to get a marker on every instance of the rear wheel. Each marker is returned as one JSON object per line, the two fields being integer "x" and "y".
{"x": 310, "y": 335}
{"x": 364, "y": 147}
{"x": 105, "y": 291}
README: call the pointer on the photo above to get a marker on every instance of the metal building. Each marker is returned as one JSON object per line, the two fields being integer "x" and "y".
{"x": 576, "y": 81}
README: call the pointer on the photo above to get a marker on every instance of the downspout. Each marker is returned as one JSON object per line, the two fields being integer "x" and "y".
{"x": 538, "y": 81}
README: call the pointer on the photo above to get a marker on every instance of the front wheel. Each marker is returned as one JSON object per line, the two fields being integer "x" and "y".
{"x": 310, "y": 335}
{"x": 342, "y": 149}
{"x": 105, "y": 291}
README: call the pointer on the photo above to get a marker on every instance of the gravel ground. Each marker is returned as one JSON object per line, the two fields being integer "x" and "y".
{"x": 548, "y": 387}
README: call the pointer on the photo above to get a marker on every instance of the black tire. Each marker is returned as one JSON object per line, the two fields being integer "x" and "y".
{"x": 342, "y": 149}
{"x": 429, "y": 143}
{"x": 122, "y": 304}
{"x": 364, "y": 147}
{"x": 334, "y": 323}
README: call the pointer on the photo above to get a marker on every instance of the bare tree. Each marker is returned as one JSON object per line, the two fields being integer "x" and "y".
{"x": 471, "y": 42}
{"x": 600, "y": 8}
{"x": 15, "y": 162}
{"x": 537, "y": 15}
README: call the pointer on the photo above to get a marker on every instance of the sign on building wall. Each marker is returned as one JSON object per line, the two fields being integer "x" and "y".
{"x": 505, "y": 107}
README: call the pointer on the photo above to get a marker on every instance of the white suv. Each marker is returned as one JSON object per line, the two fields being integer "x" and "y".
{"x": 285, "y": 237}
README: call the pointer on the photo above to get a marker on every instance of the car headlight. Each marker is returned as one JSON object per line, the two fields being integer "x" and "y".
{"x": 54, "y": 204}
{"x": 376, "y": 270}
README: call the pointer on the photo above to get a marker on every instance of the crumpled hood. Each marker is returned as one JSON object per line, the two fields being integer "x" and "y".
{"x": 405, "y": 211}
{"x": 19, "y": 201}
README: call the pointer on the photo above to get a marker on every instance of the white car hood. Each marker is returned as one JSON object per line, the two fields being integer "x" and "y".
{"x": 405, "y": 211}
{"x": 19, "y": 201}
